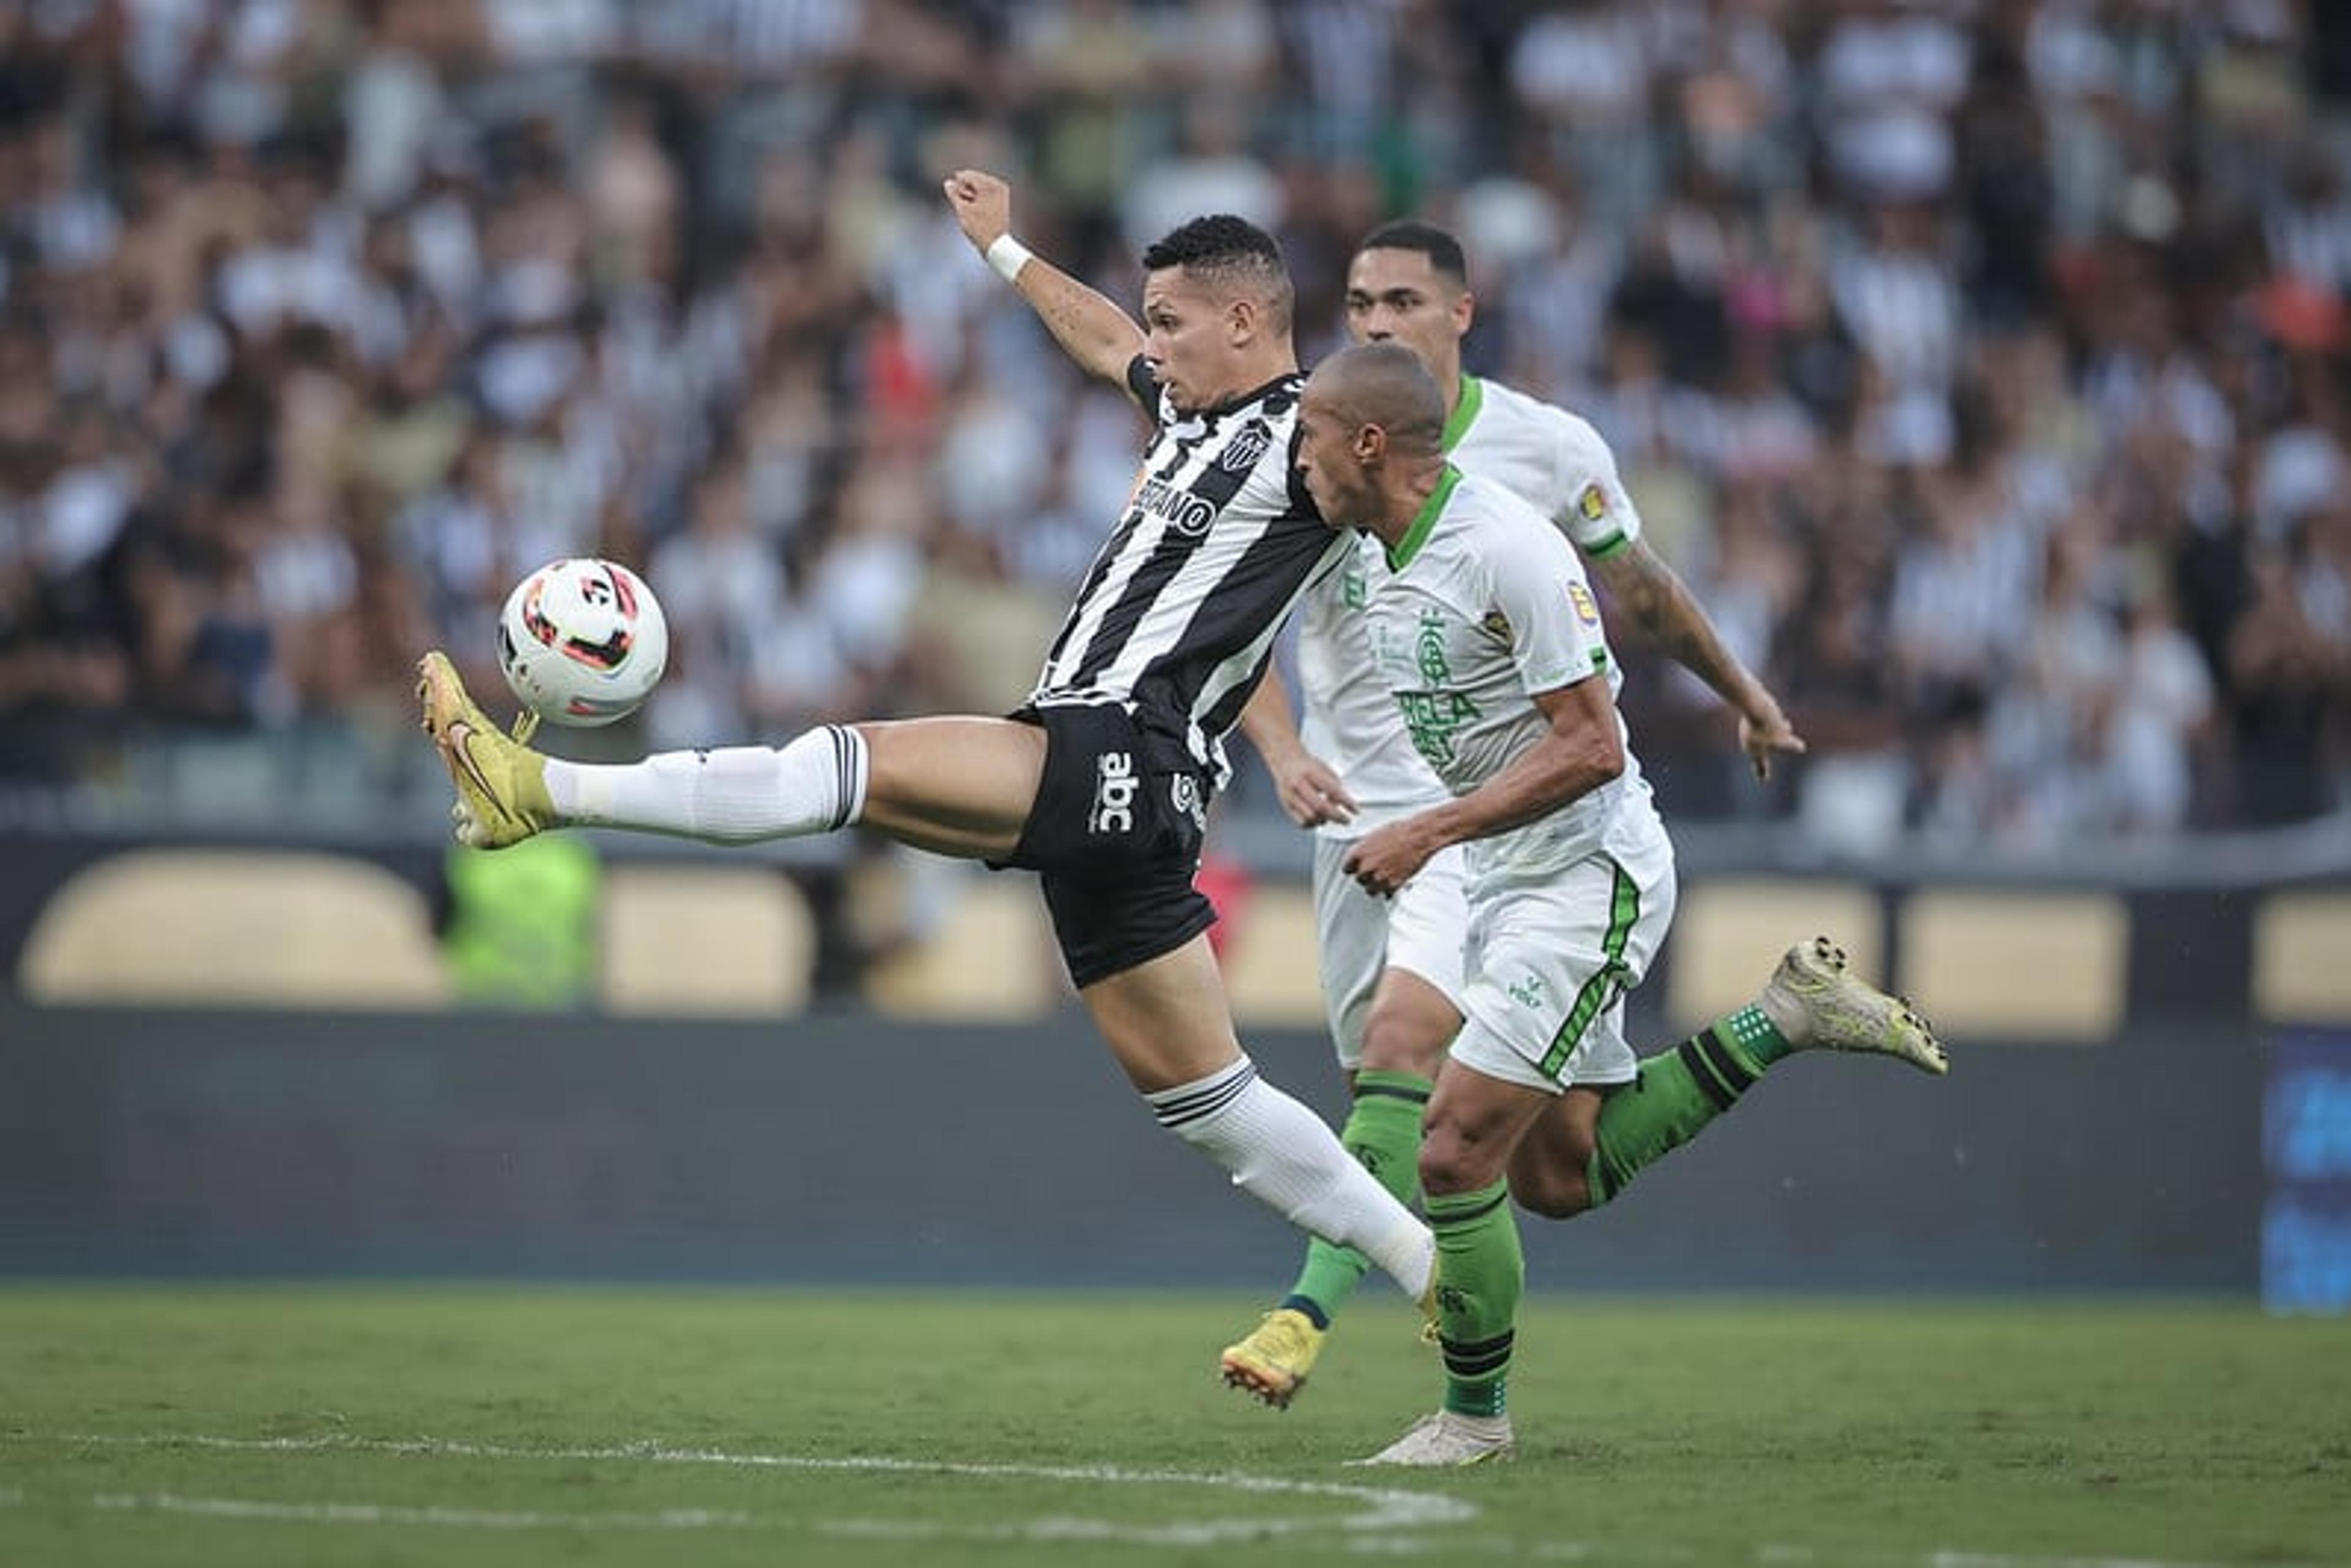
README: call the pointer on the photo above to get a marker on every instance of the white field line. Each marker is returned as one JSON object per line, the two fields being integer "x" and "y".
{"x": 399, "y": 1513}
{"x": 1375, "y": 1529}
{"x": 1379, "y": 1508}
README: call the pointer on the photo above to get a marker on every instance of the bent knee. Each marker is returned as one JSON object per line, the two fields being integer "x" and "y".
{"x": 1551, "y": 1193}
{"x": 1451, "y": 1162}
{"x": 1399, "y": 1043}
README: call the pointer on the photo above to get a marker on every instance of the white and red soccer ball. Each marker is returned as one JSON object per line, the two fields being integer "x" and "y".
{"x": 583, "y": 641}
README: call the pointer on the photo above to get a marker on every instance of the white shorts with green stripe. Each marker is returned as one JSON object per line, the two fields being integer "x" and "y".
{"x": 1358, "y": 936}
{"x": 1550, "y": 964}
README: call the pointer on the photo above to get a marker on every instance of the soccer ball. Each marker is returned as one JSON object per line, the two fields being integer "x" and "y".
{"x": 583, "y": 641}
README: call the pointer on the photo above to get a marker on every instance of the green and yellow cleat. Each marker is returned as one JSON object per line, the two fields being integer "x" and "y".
{"x": 1832, "y": 1009}
{"x": 1271, "y": 1363}
{"x": 501, "y": 783}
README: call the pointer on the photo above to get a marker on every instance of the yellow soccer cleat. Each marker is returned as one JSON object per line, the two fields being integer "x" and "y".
{"x": 501, "y": 783}
{"x": 1272, "y": 1362}
{"x": 1841, "y": 1011}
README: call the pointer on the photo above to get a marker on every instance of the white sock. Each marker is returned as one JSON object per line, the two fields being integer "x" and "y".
{"x": 1288, "y": 1159}
{"x": 738, "y": 795}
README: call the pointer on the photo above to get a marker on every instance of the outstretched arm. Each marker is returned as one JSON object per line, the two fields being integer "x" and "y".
{"x": 1652, "y": 594}
{"x": 1100, "y": 336}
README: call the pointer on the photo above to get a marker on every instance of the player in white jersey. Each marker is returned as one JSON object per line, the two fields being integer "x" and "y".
{"x": 1391, "y": 968}
{"x": 1101, "y": 782}
{"x": 1484, "y": 631}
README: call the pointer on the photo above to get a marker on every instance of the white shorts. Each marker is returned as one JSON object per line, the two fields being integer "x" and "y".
{"x": 1549, "y": 963}
{"x": 1357, "y": 936}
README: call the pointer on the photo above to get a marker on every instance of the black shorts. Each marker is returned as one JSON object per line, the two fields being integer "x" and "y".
{"x": 1116, "y": 837}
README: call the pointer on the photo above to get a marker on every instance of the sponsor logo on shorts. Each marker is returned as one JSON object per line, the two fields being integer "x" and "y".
{"x": 1114, "y": 786}
{"x": 1187, "y": 797}
{"x": 1528, "y": 990}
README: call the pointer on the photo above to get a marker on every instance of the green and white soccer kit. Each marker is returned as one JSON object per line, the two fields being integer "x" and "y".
{"x": 1546, "y": 456}
{"x": 1480, "y": 607}
{"x": 1351, "y": 722}
{"x": 1558, "y": 464}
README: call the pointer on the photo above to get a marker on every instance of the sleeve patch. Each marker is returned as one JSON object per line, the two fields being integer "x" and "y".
{"x": 1592, "y": 502}
{"x": 1580, "y": 597}
{"x": 1142, "y": 386}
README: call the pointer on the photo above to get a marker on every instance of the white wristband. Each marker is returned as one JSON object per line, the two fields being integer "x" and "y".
{"x": 1008, "y": 256}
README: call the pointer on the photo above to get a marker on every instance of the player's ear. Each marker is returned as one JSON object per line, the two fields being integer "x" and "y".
{"x": 1370, "y": 443}
{"x": 1465, "y": 311}
{"x": 1241, "y": 321}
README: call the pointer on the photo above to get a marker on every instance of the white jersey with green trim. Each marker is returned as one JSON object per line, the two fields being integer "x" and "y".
{"x": 1550, "y": 459}
{"x": 1557, "y": 464}
{"x": 1477, "y": 609}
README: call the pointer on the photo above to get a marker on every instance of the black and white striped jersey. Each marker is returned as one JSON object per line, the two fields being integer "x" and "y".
{"x": 1178, "y": 611}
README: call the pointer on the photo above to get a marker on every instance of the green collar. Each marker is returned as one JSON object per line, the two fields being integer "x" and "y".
{"x": 1457, "y": 423}
{"x": 1401, "y": 553}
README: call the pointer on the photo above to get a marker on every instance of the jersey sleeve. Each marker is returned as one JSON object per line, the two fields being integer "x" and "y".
{"x": 1301, "y": 499}
{"x": 1596, "y": 512}
{"x": 1538, "y": 585}
{"x": 1144, "y": 386}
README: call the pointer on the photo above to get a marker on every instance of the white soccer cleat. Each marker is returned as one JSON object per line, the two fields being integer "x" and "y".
{"x": 1448, "y": 1440}
{"x": 1822, "y": 1005}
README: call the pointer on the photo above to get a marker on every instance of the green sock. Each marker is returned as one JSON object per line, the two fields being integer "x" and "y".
{"x": 1677, "y": 1093}
{"x": 1480, "y": 1274}
{"x": 1382, "y": 1132}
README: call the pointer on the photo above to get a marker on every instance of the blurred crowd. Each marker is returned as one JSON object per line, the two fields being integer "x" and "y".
{"x": 1982, "y": 363}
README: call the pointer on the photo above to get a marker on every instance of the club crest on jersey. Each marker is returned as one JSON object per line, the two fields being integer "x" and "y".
{"x": 1586, "y": 611}
{"x": 1496, "y": 625}
{"x": 1592, "y": 502}
{"x": 1428, "y": 649}
{"x": 1241, "y": 452}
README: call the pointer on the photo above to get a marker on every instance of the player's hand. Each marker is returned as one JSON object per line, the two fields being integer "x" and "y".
{"x": 1766, "y": 734}
{"x": 1311, "y": 792}
{"x": 1388, "y": 857}
{"x": 982, "y": 205}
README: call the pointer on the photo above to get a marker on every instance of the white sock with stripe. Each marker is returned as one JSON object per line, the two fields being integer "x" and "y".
{"x": 737, "y": 795}
{"x": 1288, "y": 1159}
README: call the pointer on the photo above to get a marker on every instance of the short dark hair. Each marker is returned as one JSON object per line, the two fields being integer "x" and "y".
{"x": 1444, "y": 252}
{"x": 1230, "y": 251}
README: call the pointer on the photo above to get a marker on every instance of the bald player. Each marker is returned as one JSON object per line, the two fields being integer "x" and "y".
{"x": 1483, "y": 630}
{"x": 1391, "y": 968}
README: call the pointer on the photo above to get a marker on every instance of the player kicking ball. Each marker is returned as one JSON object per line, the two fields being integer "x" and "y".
{"x": 1101, "y": 782}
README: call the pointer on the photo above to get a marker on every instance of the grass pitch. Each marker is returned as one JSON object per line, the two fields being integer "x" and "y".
{"x": 329, "y": 1426}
